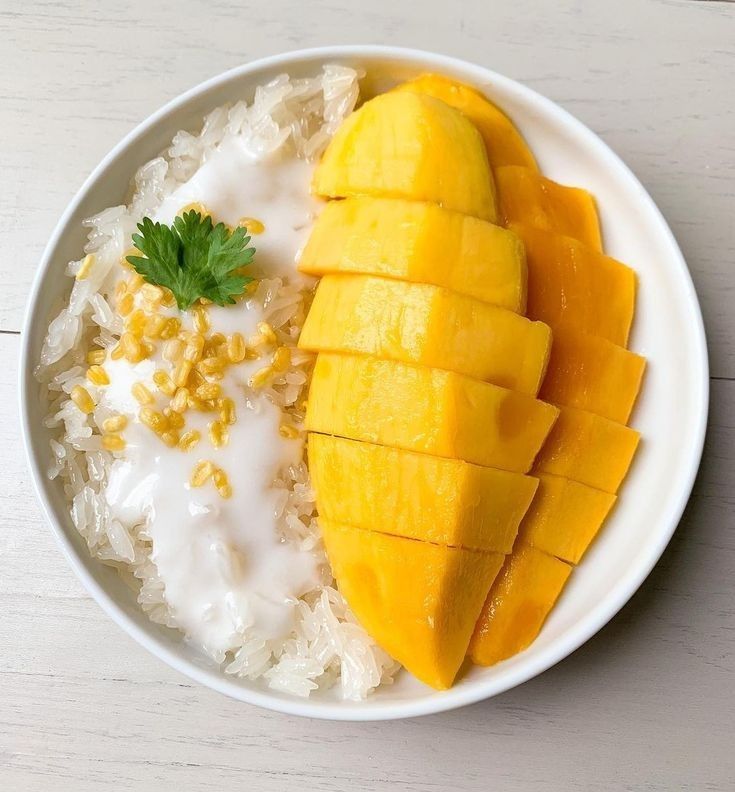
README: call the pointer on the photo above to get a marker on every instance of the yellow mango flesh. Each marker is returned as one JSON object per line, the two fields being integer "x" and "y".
{"x": 518, "y": 603}
{"x": 592, "y": 374}
{"x": 530, "y": 199}
{"x": 589, "y": 449}
{"x": 426, "y": 410}
{"x": 420, "y": 243}
{"x": 571, "y": 283}
{"x": 427, "y": 325}
{"x": 418, "y": 496}
{"x": 564, "y": 517}
{"x": 406, "y": 145}
{"x": 505, "y": 145}
{"x": 419, "y": 601}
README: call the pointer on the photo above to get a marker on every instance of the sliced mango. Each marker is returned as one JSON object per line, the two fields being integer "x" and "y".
{"x": 592, "y": 374}
{"x": 564, "y": 517}
{"x": 505, "y": 145}
{"x": 426, "y": 410}
{"x": 407, "y": 145}
{"x": 528, "y": 198}
{"x": 589, "y": 449}
{"x": 571, "y": 283}
{"x": 417, "y": 600}
{"x": 421, "y": 243}
{"x": 427, "y": 325}
{"x": 444, "y": 501}
{"x": 519, "y": 602}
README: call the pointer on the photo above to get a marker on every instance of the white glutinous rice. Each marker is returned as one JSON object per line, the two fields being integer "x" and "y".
{"x": 318, "y": 645}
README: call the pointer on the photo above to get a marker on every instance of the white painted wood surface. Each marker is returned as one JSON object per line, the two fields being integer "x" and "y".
{"x": 649, "y": 703}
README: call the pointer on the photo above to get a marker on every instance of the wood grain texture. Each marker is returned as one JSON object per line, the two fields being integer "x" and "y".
{"x": 649, "y": 703}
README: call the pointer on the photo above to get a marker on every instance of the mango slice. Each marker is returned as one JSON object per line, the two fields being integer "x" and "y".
{"x": 417, "y": 600}
{"x": 426, "y": 410}
{"x": 528, "y": 198}
{"x": 444, "y": 501}
{"x": 420, "y": 243}
{"x": 519, "y": 602}
{"x": 427, "y": 325}
{"x": 589, "y": 449}
{"x": 592, "y": 374}
{"x": 505, "y": 145}
{"x": 406, "y": 145}
{"x": 571, "y": 283}
{"x": 564, "y": 517}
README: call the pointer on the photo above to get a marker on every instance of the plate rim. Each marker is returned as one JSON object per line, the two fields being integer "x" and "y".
{"x": 479, "y": 690}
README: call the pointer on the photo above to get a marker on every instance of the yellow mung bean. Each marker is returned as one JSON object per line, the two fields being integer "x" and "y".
{"x": 222, "y": 483}
{"x": 281, "y": 359}
{"x": 236, "y": 348}
{"x": 175, "y": 420}
{"x": 151, "y": 293}
{"x": 212, "y": 365}
{"x": 252, "y": 225}
{"x": 141, "y": 394}
{"x": 154, "y": 326}
{"x": 115, "y": 423}
{"x": 86, "y": 266}
{"x": 194, "y": 348}
{"x": 189, "y": 439}
{"x": 153, "y": 419}
{"x": 218, "y": 434}
{"x": 209, "y": 391}
{"x": 227, "y": 411}
{"x": 80, "y": 396}
{"x": 170, "y": 438}
{"x": 135, "y": 322}
{"x": 125, "y": 304}
{"x": 180, "y": 401}
{"x": 173, "y": 350}
{"x": 97, "y": 375}
{"x": 163, "y": 382}
{"x": 289, "y": 431}
{"x": 135, "y": 281}
{"x": 267, "y": 332}
{"x": 113, "y": 442}
{"x": 181, "y": 373}
{"x": 96, "y": 357}
{"x": 200, "y": 318}
{"x": 172, "y": 328}
{"x": 201, "y": 473}
{"x": 261, "y": 377}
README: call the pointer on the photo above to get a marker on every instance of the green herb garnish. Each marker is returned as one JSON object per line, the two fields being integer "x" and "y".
{"x": 193, "y": 258}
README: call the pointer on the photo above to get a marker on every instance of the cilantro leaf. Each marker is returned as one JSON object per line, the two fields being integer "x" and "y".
{"x": 193, "y": 258}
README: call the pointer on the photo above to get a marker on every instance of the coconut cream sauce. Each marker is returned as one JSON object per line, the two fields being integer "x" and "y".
{"x": 224, "y": 568}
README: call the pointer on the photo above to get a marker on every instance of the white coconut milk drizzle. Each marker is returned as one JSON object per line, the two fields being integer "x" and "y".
{"x": 225, "y": 569}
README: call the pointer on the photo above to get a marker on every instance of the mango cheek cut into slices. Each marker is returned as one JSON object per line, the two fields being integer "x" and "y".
{"x": 592, "y": 374}
{"x": 528, "y": 198}
{"x": 420, "y": 243}
{"x": 426, "y": 410}
{"x": 432, "y": 499}
{"x": 565, "y": 517}
{"x": 406, "y": 145}
{"x": 589, "y": 449}
{"x": 573, "y": 284}
{"x": 427, "y": 325}
{"x": 519, "y": 602}
{"x": 505, "y": 145}
{"x": 418, "y": 600}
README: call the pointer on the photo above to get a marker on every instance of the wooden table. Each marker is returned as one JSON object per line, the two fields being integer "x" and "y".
{"x": 648, "y": 703}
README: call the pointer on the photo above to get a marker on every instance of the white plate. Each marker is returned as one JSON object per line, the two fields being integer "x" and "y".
{"x": 671, "y": 413}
